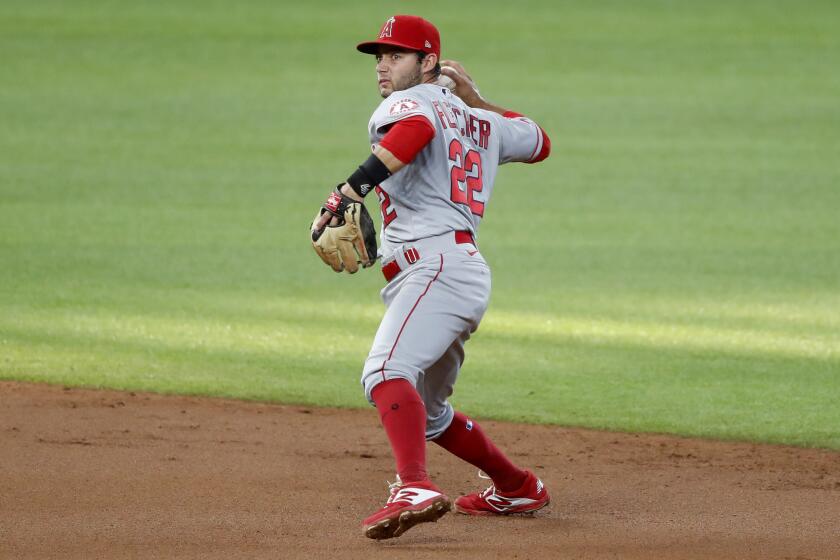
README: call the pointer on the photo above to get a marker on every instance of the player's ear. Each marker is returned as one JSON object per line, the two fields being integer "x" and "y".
{"x": 429, "y": 62}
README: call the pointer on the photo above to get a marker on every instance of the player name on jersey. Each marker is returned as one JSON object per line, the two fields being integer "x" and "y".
{"x": 466, "y": 124}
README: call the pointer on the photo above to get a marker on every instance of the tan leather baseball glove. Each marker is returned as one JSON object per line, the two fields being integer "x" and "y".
{"x": 351, "y": 239}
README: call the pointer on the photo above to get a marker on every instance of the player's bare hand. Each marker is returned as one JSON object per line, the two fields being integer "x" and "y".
{"x": 457, "y": 66}
{"x": 465, "y": 87}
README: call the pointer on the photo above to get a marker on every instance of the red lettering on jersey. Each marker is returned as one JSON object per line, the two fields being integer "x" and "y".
{"x": 457, "y": 113}
{"x": 450, "y": 116}
{"x": 470, "y": 123}
{"x": 483, "y": 133}
{"x": 388, "y": 213}
{"x": 439, "y": 113}
{"x": 478, "y": 130}
{"x": 403, "y": 106}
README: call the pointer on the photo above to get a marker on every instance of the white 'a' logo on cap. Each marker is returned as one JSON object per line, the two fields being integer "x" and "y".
{"x": 388, "y": 28}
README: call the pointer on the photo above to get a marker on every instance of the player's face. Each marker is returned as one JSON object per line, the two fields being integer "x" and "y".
{"x": 397, "y": 70}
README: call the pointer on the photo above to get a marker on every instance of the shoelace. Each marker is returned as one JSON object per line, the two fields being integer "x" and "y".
{"x": 487, "y": 491}
{"x": 393, "y": 488}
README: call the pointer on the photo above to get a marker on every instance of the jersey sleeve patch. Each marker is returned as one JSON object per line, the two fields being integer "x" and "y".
{"x": 402, "y": 106}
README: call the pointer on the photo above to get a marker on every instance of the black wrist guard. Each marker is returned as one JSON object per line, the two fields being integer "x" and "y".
{"x": 368, "y": 175}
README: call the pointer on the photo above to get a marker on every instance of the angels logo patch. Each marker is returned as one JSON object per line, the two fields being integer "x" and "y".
{"x": 403, "y": 106}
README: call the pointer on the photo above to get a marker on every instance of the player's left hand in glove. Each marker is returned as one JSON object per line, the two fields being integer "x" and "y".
{"x": 346, "y": 238}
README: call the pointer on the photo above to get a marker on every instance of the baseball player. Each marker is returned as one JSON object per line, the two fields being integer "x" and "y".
{"x": 435, "y": 157}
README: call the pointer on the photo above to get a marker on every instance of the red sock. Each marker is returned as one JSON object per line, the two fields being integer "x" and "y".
{"x": 466, "y": 440}
{"x": 403, "y": 415}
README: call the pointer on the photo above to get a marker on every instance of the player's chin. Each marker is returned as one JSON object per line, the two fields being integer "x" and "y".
{"x": 386, "y": 87}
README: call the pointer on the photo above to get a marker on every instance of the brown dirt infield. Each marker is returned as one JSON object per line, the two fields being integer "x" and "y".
{"x": 104, "y": 474}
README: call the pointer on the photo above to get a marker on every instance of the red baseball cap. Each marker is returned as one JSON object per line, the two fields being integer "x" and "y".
{"x": 408, "y": 32}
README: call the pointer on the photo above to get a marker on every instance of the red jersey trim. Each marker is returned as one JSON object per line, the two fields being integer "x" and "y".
{"x": 544, "y": 149}
{"x": 537, "y": 145}
{"x": 407, "y": 137}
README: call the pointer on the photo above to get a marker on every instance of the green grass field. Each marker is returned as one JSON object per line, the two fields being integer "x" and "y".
{"x": 673, "y": 267}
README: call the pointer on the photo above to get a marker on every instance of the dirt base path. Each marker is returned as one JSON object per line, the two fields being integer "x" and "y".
{"x": 102, "y": 474}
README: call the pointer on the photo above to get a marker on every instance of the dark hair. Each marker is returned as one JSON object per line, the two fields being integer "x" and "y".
{"x": 436, "y": 70}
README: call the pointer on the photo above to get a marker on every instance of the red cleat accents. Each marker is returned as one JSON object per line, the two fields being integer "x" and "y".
{"x": 531, "y": 497}
{"x": 408, "y": 505}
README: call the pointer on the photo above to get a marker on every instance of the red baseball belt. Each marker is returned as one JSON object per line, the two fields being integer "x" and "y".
{"x": 412, "y": 255}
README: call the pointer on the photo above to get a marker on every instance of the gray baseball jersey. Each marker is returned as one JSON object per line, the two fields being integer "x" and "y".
{"x": 448, "y": 185}
{"x": 442, "y": 290}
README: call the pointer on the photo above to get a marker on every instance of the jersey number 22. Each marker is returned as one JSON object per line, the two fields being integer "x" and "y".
{"x": 465, "y": 176}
